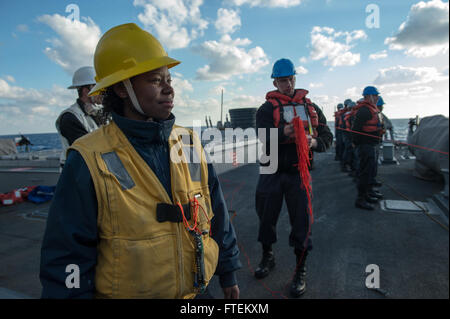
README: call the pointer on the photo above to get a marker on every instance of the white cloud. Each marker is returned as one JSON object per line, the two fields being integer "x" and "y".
{"x": 217, "y": 90}
{"x": 324, "y": 99}
{"x": 228, "y": 21}
{"x": 301, "y": 70}
{"x": 10, "y": 109}
{"x": 425, "y": 31}
{"x": 176, "y": 22}
{"x": 266, "y": 3}
{"x": 10, "y": 78}
{"x": 227, "y": 58}
{"x": 188, "y": 110}
{"x": 420, "y": 90}
{"x": 414, "y": 92}
{"x": 327, "y": 103}
{"x": 354, "y": 92}
{"x": 334, "y": 47}
{"x": 303, "y": 60}
{"x": 399, "y": 75}
{"x": 315, "y": 85}
{"x": 395, "y": 93}
{"x": 246, "y": 101}
{"x": 41, "y": 110}
{"x": 76, "y": 43}
{"x": 32, "y": 109}
{"x": 181, "y": 85}
{"x": 378, "y": 55}
{"x": 17, "y": 93}
{"x": 28, "y": 98}
{"x": 182, "y": 88}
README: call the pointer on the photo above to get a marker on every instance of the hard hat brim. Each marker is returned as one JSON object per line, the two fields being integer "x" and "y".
{"x": 72, "y": 87}
{"x": 283, "y": 75}
{"x": 124, "y": 74}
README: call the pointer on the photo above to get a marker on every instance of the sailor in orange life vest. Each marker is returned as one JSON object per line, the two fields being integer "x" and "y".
{"x": 135, "y": 221}
{"x": 349, "y": 161}
{"x": 367, "y": 121}
{"x": 278, "y": 112}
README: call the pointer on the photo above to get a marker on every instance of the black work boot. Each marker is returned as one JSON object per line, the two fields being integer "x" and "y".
{"x": 370, "y": 199}
{"x": 346, "y": 168}
{"x": 362, "y": 203}
{"x": 266, "y": 265}
{"x": 298, "y": 286}
{"x": 375, "y": 194}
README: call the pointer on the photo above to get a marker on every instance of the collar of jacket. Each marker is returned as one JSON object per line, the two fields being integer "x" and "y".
{"x": 145, "y": 132}
{"x": 298, "y": 96}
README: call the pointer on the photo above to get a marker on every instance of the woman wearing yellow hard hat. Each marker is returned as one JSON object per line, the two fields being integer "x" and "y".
{"x": 131, "y": 221}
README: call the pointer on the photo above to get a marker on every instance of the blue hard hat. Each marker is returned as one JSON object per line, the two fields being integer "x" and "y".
{"x": 340, "y": 106}
{"x": 370, "y": 90}
{"x": 282, "y": 68}
{"x": 380, "y": 101}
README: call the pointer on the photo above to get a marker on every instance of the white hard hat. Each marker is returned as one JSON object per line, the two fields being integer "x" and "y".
{"x": 83, "y": 76}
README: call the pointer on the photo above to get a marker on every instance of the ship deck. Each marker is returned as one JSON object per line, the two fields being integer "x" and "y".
{"x": 410, "y": 248}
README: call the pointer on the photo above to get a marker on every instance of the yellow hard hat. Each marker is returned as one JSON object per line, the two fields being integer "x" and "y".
{"x": 125, "y": 51}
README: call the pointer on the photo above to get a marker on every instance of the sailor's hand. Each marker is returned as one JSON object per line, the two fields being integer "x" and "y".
{"x": 312, "y": 142}
{"x": 231, "y": 292}
{"x": 289, "y": 130}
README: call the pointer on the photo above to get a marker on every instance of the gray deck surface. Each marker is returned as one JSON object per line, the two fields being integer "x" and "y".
{"x": 411, "y": 250}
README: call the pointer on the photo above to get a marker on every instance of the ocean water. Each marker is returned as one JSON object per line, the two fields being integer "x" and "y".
{"x": 48, "y": 141}
{"x": 45, "y": 141}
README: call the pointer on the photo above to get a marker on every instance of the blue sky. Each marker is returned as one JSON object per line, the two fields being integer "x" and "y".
{"x": 338, "y": 47}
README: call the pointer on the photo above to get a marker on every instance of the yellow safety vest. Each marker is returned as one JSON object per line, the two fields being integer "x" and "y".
{"x": 139, "y": 256}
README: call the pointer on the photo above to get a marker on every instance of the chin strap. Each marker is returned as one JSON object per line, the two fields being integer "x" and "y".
{"x": 132, "y": 95}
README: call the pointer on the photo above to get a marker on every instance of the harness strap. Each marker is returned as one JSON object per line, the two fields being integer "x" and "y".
{"x": 172, "y": 213}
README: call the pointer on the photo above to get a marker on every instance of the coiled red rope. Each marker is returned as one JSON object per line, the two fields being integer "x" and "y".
{"x": 302, "y": 146}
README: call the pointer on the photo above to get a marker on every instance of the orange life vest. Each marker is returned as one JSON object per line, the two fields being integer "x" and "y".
{"x": 281, "y": 101}
{"x": 347, "y": 117}
{"x": 374, "y": 124}
{"x": 340, "y": 114}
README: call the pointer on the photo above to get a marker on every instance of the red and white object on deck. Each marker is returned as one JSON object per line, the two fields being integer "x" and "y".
{"x": 235, "y": 163}
{"x": 16, "y": 196}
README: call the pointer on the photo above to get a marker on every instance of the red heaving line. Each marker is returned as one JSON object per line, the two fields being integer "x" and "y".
{"x": 379, "y": 137}
{"x": 303, "y": 160}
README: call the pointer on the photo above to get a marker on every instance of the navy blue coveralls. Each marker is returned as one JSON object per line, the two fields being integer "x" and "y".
{"x": 285, "y": 183}
{"x": 366, "y": 149}
{"x": 348, "y": 157}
